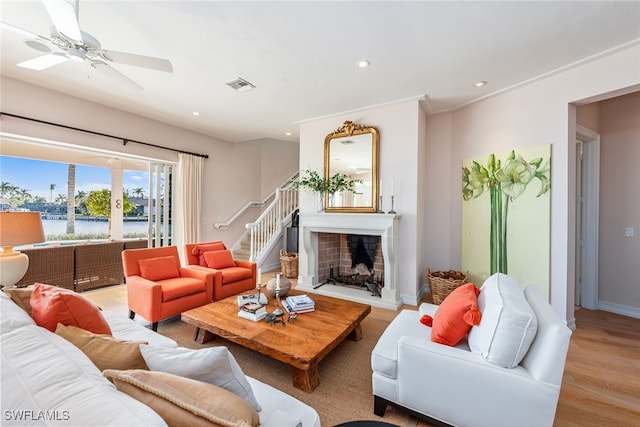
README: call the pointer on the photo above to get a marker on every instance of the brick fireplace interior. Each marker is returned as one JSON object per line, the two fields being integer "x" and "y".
{"x": 335, "y": 250}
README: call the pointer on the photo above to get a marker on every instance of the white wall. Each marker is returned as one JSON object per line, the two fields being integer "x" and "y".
{"x": 538, "y": 113}
{"x": 398, "y": 126}
{"x": 234, "y": 173}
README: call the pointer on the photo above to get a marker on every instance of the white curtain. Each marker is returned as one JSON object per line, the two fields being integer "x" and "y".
{"x": 190, "y": 182}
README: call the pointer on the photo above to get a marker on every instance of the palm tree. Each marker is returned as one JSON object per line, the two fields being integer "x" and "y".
{"x": 138, "y": 192}
{"x": 61, "y": 199}
{"x": 71, "y": 201}
{"x": 51, "y": 188}
{"x": 7, "y": 189}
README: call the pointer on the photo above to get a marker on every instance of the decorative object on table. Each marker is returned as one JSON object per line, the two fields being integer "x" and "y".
{"x": 282, "y": 282}
{"x": 299, "y": 304}
{"x": 312, "y": 181}
{"x": 380, "y": 205}
{"x": 273, "y": 319}
{"x": 252, "y": 298}
{"x": 289, "y": 264}
{"x": 252, "y": 311}
{"x": 17, "y": 228}
{"x": 442, "y": 283}
{"x": 292, "y": 317}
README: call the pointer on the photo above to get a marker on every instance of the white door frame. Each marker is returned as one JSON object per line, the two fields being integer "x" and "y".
{"x": 590, "y": 216}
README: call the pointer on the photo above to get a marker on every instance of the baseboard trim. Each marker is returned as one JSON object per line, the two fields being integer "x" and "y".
{"x": 619, "y": 309}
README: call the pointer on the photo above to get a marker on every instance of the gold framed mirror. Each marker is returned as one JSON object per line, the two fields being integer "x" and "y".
{"x": 352, "y": 150}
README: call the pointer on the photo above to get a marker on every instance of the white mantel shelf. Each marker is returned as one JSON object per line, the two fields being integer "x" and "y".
{"x": 383, "y": 225}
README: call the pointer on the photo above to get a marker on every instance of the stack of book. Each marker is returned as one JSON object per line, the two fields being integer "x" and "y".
{"x": 252, "y": 311}
{"x": 244, "y": 299}
{"x": 298, "y": 304}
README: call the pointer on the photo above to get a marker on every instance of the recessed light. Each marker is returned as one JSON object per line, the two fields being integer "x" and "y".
{"x": 288, "y": 133}
{"x": 480, "y": 83}
{"x": 363, "y": 64}
{"x": 195, "y": 113}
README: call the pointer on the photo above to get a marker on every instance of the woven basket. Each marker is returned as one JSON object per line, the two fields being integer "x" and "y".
{"x": 442, "y": 286}
{"x": 289, "y": 264}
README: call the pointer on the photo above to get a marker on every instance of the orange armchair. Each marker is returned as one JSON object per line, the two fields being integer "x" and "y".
{"x": 230, "y": 276}
{"x": 158, "y": 287}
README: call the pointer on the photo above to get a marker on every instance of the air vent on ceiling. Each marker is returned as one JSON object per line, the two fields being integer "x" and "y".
{"x": 240, "y": 84}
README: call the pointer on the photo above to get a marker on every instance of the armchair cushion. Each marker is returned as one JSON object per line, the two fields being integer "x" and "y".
{"x": 508, "y": 324}
{"x": 455, "y": 316}
{"x": 159, "y": 268}
{"x": 200, "y": 250}
{"x": 179, "y": 287}
{"x": 51, "y": 305}
{"x": 235, "y": 274}
{"x": 219, "y": 259}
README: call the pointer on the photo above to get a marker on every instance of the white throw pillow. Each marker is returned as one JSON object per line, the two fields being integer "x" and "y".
{"x": 213, "y": 365}
{"x": 508, "y": 324}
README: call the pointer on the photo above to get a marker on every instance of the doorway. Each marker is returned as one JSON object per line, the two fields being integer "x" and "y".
{"x": 587, "y": 217}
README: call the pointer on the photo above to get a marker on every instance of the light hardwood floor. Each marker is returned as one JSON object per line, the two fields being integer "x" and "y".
{"x": 601, "y": 384}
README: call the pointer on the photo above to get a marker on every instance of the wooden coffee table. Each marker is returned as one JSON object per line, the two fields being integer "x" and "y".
{"x": 301, "y": 343}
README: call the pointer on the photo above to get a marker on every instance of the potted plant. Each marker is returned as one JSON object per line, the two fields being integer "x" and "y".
{"x": 312, "y": 181}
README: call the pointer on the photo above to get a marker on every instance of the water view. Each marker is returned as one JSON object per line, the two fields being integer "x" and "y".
{"x": 59, "y": 226}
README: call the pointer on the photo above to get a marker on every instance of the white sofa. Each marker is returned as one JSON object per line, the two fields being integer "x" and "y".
{"x": 465, "y": 386}
{"x": 46, "y": 380}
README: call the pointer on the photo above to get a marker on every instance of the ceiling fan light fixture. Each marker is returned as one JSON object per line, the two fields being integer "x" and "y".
{"x": 363, "y": 64}
{"x": 77, "y": 54}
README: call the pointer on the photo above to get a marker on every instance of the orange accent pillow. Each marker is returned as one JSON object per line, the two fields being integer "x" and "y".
{"x": 219, "y": 259}
{"x": 201, "y": 249}
{"x": 456, "y": 314}
{"x": 159, "y": 268}
{"x": 51, "y": 305}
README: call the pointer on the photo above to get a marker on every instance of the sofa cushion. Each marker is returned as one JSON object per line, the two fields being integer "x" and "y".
{"x": 51, "y": 305}
{"x": 456, "y": 314}
{"x": 21, "y": 296}
{"x": 159, "y": 268}
{"x": 105, "y": 351}
{"x": 42, "y": 371}
{"x": 11, "y": 316}
{"x": 183, "y": 401}
{"x": 215, "y": 365}
{"x": 200, "y": 250}
{"x": 508, "y": 324}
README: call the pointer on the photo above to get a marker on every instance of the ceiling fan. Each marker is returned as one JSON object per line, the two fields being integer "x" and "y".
{"x": 71, "y": 43}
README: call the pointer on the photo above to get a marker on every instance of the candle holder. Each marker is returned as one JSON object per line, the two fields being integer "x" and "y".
{"x": 380, "y": 205}
{"x": 392, "y": 211}
{"x": 278, "y": 311}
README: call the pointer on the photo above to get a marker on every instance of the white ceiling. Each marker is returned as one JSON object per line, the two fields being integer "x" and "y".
{"x": 302, "y": 56}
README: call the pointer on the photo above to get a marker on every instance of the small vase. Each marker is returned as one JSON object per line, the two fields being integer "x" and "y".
{"x": 320, "y": 202}
{"x": 285, "y": 285}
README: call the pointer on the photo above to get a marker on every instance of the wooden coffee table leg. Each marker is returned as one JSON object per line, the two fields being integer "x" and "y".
{"x": 203, "y": 336}
{"x": 306, "y": 380}
{"x": 356, "y": 334}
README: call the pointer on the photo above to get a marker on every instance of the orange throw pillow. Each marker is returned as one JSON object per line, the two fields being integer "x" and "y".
{"x": 51, "y": 305}
{"x": 159, "y": 268}
{"x": 201, "y": 249}
{"x": 219, "y": 259}
{"x": 455, "y": 316}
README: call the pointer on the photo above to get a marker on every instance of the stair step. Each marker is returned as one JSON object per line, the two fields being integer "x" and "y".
{"x": 241, "y": 254}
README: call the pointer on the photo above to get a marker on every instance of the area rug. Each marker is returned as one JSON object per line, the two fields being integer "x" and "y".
{"x": 344, "y": 393}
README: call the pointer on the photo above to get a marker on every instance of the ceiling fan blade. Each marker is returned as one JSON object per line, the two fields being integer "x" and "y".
{"x": 21, "y": 31}
{"x": 64, "y": 19}
{"x": 158, "y": 64}
{"x": 43, "y": 62}
{"x": 111, "y": 72}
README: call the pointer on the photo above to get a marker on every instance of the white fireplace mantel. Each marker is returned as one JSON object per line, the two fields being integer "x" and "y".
{"x": 383, "y": 225}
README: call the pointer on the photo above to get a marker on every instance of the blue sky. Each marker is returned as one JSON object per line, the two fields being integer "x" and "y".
{"x": 37, "y": 176}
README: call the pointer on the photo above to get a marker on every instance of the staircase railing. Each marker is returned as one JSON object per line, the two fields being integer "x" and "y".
{"x": 265, "y": 231}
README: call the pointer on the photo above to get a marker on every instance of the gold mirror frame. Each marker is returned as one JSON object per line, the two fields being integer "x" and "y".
{"x": 357, "y": 146}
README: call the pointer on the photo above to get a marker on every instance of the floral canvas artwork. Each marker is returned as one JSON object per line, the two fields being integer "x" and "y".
{"x": 506, "y": 215}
